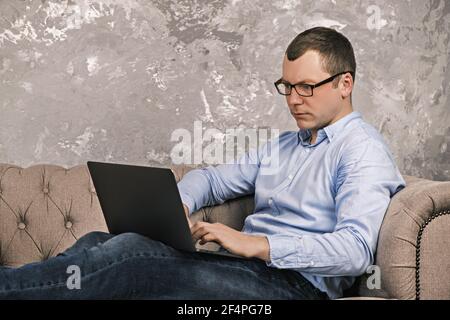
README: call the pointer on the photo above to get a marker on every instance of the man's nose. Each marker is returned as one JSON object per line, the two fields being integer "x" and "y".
{"x": 294, "y": 98}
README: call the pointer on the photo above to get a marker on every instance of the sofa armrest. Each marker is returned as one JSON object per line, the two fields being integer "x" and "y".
{"x": 413, "y": 248}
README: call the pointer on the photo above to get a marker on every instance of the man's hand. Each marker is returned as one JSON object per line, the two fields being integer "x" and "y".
{"x": 236, "y": 242}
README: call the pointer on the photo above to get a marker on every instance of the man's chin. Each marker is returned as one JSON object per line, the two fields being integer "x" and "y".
{"x": 304, "y": 125}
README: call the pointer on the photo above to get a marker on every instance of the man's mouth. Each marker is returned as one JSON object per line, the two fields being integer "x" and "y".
{"x": 300, "y": 114}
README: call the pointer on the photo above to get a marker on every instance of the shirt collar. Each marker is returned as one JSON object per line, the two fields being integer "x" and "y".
{"x": 329, "y": 131}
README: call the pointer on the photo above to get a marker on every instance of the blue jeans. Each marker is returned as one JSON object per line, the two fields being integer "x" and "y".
{"x": 131, "y": 266}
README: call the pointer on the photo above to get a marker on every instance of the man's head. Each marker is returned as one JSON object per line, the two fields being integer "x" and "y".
{"x": 313, "y": 56}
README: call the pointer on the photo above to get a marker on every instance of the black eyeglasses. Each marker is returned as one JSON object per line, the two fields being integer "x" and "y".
{"x": 303, "y": 89}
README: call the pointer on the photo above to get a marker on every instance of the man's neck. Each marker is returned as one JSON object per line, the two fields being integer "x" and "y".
{"x": 348, "y": 110}
{"x": 312, "y": 138}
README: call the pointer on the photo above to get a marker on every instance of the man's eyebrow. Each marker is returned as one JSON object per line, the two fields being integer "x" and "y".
{"x": 307, "y": 81}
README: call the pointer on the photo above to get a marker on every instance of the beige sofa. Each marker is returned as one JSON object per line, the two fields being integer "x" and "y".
{"x": 45, "y": 208}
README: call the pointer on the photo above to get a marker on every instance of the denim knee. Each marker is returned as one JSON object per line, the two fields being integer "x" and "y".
{"x": 95, "y": 237}
{"x": 135, "y": 243}
{"x": 87, "y": 241}
{"x": 131, "y": 239}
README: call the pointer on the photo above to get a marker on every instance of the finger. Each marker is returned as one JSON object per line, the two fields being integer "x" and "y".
{"x": 201, "y": 231}
{"x": 207, "y": 238}
{"x": 196, "y": 226}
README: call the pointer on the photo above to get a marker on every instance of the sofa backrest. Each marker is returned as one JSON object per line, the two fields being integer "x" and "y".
{"x": 44, "y": 209}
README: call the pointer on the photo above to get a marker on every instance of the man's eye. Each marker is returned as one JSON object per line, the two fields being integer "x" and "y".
{"x": 302, "y": 86}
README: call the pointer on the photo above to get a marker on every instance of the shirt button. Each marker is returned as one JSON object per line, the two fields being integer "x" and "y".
{"x": 270, "y": 201}
{"x": 290, "y": 177}
{"x": 311, "y": 263}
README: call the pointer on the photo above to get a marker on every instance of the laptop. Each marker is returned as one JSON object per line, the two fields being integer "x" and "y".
{"x": 144, "y": 200}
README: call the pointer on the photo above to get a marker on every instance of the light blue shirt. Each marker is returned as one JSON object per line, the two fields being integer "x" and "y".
{"x": 321, "y": 211}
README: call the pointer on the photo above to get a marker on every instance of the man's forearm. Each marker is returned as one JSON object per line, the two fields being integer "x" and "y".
{"x": 262, "y": 248}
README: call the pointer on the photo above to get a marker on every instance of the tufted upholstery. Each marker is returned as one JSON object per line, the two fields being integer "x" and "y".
{"x": 45, "y": 208}
{"x": 414, "y": 244}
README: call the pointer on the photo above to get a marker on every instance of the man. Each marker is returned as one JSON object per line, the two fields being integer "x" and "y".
{"x": 316, "y": 219}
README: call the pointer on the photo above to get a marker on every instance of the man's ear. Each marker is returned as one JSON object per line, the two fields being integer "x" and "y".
{"x": 346, "y": 85}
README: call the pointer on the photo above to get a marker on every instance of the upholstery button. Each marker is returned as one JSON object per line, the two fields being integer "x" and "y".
{"x": 21, "y": 226}
{"x": 45, "y": 190}
{"x": 69, "y": 224}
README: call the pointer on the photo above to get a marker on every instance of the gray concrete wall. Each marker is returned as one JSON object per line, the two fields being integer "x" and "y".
{"x": 111, "y": 80}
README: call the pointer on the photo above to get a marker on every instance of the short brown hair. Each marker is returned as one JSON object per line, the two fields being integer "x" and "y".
{"x": 334, "y": 48}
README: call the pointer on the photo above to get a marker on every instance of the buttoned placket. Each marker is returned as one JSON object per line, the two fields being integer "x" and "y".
{"x": 304, "y": 155}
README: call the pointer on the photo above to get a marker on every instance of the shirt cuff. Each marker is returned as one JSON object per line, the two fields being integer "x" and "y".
{"x": 283, "y": 251}
{"x": 187, "y": 200}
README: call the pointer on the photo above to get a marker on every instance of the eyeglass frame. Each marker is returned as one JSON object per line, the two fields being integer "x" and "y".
{"x": 312, "y": 86}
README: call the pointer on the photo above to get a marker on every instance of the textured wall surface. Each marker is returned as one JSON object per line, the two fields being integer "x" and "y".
{"x": 111, "y": 80}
